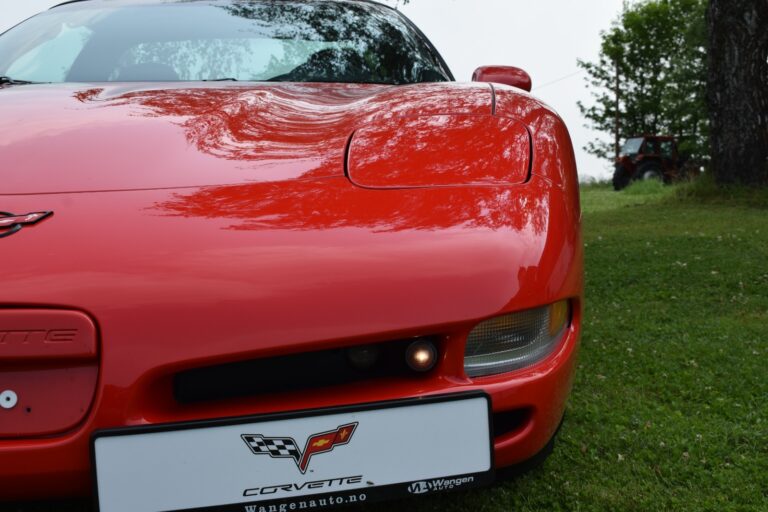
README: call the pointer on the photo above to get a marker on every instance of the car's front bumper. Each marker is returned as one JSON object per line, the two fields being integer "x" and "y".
{"x": 197, "y": 286}
{"x": 528, "y": 404}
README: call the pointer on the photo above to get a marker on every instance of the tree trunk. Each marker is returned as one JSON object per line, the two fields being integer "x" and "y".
{"x": 738, "y": 90}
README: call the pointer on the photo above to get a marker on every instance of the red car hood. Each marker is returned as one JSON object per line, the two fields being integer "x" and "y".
{"x": 77, "y": 138}
{"x": 250, "y": 264}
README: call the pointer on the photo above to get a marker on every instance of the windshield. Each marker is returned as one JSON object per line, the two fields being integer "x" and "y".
{"x": 632, "y": 146}
{"x": 262, "y": 40}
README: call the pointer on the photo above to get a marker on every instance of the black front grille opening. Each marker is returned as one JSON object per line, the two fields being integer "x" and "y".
{"x": 507, "y": 422}
{"x": 292, "y": 373}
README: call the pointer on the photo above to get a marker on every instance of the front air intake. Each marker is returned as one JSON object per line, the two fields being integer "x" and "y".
{"x": 297, "y": 372}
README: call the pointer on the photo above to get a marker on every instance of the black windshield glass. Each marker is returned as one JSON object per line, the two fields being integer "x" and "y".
{"x": 263, "y": 40}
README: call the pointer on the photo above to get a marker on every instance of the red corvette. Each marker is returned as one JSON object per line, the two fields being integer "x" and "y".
{"x": 268, "y": 255}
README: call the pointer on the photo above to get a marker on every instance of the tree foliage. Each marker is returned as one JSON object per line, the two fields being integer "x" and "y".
{"x": 658, "y": 48}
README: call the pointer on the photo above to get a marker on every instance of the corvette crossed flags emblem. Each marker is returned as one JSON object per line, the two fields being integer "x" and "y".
{"x": 11, "y": 223}
{"x": 287, "y": 448}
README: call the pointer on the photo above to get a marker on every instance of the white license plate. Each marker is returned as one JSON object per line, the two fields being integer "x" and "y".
{"x": 303, "y": 461}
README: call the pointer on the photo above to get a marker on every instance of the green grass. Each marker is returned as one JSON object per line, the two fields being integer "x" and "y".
{"x": 670, "y": 405}
{"x": 602, "y": 197}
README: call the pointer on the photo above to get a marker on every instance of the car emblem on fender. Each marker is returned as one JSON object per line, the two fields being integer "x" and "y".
{"x": 287, "y": 448}
{"x": 11, "y": 223}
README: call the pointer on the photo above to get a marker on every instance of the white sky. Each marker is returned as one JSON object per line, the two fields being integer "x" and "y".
{"x": 544, "y": 37}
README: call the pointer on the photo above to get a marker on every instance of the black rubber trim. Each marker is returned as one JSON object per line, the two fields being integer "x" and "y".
{"x": 493, "y": 99}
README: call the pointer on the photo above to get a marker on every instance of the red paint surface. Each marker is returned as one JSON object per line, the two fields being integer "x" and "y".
{"x": 124, "y": 137}
{"x": 506, "y": 75}
{"x": 270, "y": 249}
{"x": 53, "y": 399}
{"x": 49, "y": 359}
{"x": 446, "y": 150}
{"x": 29, "y": 334}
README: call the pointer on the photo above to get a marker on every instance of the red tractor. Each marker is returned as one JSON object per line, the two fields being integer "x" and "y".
{"x": 651, "y": 157}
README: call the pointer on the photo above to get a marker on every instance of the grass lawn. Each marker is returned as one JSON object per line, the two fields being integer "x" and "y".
{"x": 670, "y": 405}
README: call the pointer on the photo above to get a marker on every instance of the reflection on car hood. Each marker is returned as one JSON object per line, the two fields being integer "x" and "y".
{"x": 80, "y": 137}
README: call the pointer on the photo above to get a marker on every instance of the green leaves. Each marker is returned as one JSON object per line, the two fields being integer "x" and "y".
{"x": 658, "y": 49}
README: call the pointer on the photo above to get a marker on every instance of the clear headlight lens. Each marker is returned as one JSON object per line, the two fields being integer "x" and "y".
{"x": 515, "y": 341}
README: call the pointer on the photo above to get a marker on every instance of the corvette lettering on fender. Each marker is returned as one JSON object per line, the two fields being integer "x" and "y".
{"x": 287, "y": 448}
{"x": 28, "y": 336}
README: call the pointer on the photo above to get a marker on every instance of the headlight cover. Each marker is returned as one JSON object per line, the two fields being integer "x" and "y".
{"x": 439, "y": 151}
{"x": 514, "y": 341}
